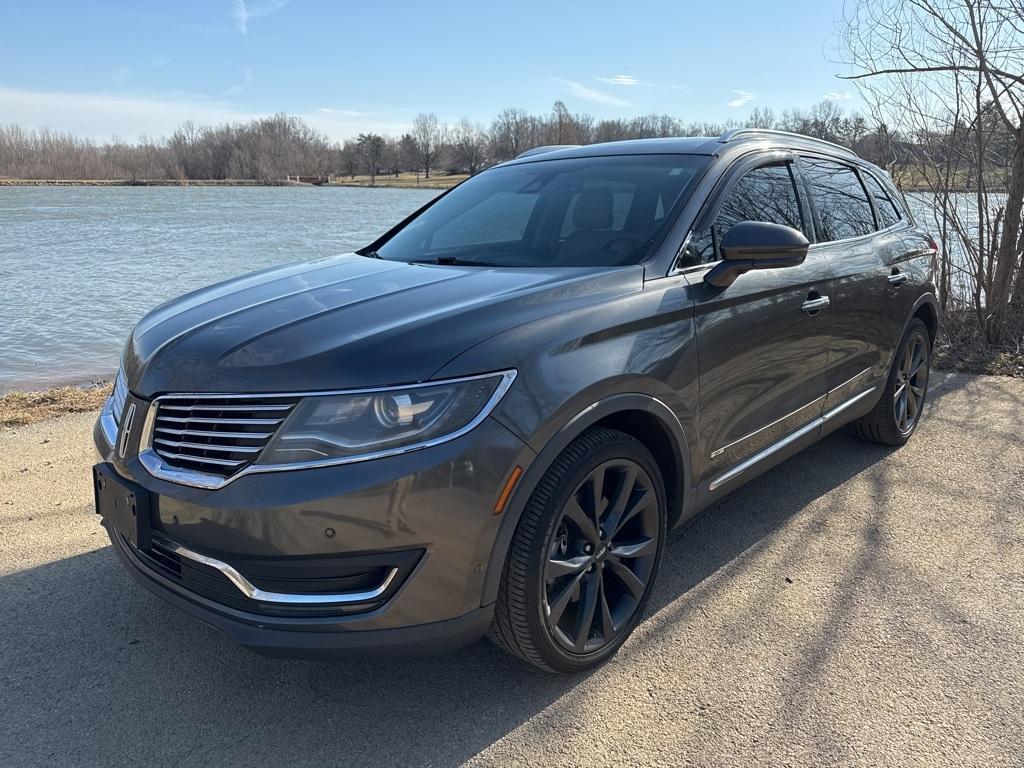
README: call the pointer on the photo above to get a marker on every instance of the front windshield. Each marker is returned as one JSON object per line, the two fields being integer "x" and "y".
{"x": 592, "y": 211}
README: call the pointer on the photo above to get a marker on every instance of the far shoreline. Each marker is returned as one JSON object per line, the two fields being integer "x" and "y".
{"x": 404, "y": 181}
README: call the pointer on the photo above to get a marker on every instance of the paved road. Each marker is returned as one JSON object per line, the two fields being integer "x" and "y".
{"x": 853, "y": 606}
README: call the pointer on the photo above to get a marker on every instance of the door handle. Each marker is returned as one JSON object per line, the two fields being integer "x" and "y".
{"x": 898, "y": 278}
{"x": 814, "y": 306}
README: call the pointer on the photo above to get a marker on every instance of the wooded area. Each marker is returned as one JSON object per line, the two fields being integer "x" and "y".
{"x": 949, "y": 76}
{"x": 273, "y": 148}
{"x": 944, "y": 85}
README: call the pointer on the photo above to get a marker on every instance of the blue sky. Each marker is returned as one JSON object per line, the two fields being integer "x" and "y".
{"x": 131, "y": 68}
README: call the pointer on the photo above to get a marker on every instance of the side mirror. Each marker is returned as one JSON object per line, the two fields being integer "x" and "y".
{"x": 756, "y": 245}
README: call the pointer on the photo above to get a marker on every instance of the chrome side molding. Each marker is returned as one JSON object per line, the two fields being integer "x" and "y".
{"x": 792, "y": 437}
{"x": 253, "y": 592}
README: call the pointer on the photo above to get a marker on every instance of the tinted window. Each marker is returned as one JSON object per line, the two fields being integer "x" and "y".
{"x": 888, "y": 213}
{"x": 622, "y": 201}
{"x": 500, "y": 218}
{"x": 593, "y": 211}
{"x": 763, "y": 194}
{"x": 842, "y": 205}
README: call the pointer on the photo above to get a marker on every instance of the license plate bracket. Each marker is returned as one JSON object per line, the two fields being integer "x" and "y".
{"x": 123, "y": 505}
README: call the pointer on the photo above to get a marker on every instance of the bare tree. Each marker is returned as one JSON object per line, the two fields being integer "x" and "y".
{"x": 429, "y": 136}
{"x": 761, "y": 117}
{"x": 950, "y": 75}
{"x": 510, "y": 133}
{"x": 469, "y": 145}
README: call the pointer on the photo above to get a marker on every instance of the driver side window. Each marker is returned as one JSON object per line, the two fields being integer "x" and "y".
{"x": 766, "y": 194}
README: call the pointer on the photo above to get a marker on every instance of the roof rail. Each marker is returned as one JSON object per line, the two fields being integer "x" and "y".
{"x": 548, "y": 148}
{"x": 734, "y": 133}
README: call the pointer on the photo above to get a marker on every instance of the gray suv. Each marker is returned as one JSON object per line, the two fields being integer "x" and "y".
{"x": 486, "y": 421}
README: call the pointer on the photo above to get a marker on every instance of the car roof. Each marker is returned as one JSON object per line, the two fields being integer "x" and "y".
{"x": 742, "y": 138}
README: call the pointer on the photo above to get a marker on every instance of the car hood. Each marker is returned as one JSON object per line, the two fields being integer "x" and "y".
{"x": 344, "y": 322}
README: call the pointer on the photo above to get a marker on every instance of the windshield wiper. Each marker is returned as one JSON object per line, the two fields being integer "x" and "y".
{"x": 454, "y": 261}
{"x": 370, "y": 254}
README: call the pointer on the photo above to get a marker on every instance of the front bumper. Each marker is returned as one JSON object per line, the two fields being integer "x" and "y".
{"x": 301, "y": 638}
{"x": 436, "y": 502}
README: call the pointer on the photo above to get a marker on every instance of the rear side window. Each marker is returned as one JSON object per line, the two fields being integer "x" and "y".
{"x": 766, "y": 194}
{"x": 837, "y": 194}
{"x": 888, "y": 213}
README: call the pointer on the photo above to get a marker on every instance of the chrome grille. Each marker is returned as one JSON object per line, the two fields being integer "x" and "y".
{"x": 216, "y": 435}
{"x": 118, "y": 397}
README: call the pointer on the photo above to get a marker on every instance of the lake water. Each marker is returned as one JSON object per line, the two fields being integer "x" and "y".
{"x": 80, "y": 265}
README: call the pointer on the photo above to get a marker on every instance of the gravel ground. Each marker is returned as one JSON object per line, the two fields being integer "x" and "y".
{"x": 854, "y": 606}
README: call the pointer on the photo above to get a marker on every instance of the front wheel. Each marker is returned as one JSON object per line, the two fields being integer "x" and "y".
{"x": 584, "y": 556}
{"x": 898, "y": 412}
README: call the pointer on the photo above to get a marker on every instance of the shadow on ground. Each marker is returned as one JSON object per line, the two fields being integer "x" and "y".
{"x": 97, "y": 671}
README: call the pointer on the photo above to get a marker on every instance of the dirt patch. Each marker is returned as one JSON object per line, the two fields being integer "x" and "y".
{"x": 19, "y": 408}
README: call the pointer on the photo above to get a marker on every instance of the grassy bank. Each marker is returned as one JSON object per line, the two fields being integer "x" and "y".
{"x": 962, "y": 348}
{"x": 403, "y": 181}
{"x": 20, "y": 408}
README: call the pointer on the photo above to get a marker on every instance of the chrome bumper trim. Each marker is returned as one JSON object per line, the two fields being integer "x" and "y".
{"x": 253, "y": 592}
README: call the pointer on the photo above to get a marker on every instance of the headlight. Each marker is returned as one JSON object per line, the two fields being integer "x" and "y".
{"x": 373, "y": 423}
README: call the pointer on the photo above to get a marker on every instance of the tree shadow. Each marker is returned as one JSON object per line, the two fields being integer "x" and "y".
{"x": 125, "y": 677}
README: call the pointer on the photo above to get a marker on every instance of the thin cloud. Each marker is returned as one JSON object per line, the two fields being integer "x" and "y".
{"x": 234, "y": 90}
{"x": 121, "y": 75}
{"x": 837, "y": 95}
{"x": 742, "y": 97}
{"x": 630, "y": 81}
{"x": 346, "y": 123}
{"x": 102, "y": 115}
{"x": 621, "y": 80}
{"x": 99, "y": 116}
{"x": 242, "y": 12}
{"x": 581, "y": 91}
{"x": 345, "y": 112}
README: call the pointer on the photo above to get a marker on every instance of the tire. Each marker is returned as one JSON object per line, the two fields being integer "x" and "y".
{"x": 561, "y": 565}
{"x": 899, "y": 409}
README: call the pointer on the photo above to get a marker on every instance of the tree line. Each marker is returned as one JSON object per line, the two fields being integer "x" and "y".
{"x": 275, "y": 147}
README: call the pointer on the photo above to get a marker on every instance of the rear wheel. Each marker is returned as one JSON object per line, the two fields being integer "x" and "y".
{"x": 584, "y": 556}
{"x": 898, "y": 412}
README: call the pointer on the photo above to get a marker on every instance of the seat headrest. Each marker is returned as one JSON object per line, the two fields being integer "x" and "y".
{"x": 593, "y": 209}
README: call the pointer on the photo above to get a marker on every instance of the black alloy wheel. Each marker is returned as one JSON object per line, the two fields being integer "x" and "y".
{"x": 601, "y": 556}
{"x": 584, "y": 556}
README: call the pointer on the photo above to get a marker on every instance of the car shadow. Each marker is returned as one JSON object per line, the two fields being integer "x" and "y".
{"x": 92, "y": 656}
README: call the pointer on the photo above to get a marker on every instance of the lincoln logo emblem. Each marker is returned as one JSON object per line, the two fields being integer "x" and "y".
{"x": 126, "y": 428}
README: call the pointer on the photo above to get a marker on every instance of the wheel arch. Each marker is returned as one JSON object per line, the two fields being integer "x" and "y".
{"x": 927, "y": 309}
{"x": 644, "y": 417}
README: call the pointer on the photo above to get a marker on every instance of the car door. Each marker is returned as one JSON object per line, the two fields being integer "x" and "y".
{"x": 763, "y": 341}
{"x": 864, "y": 260}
